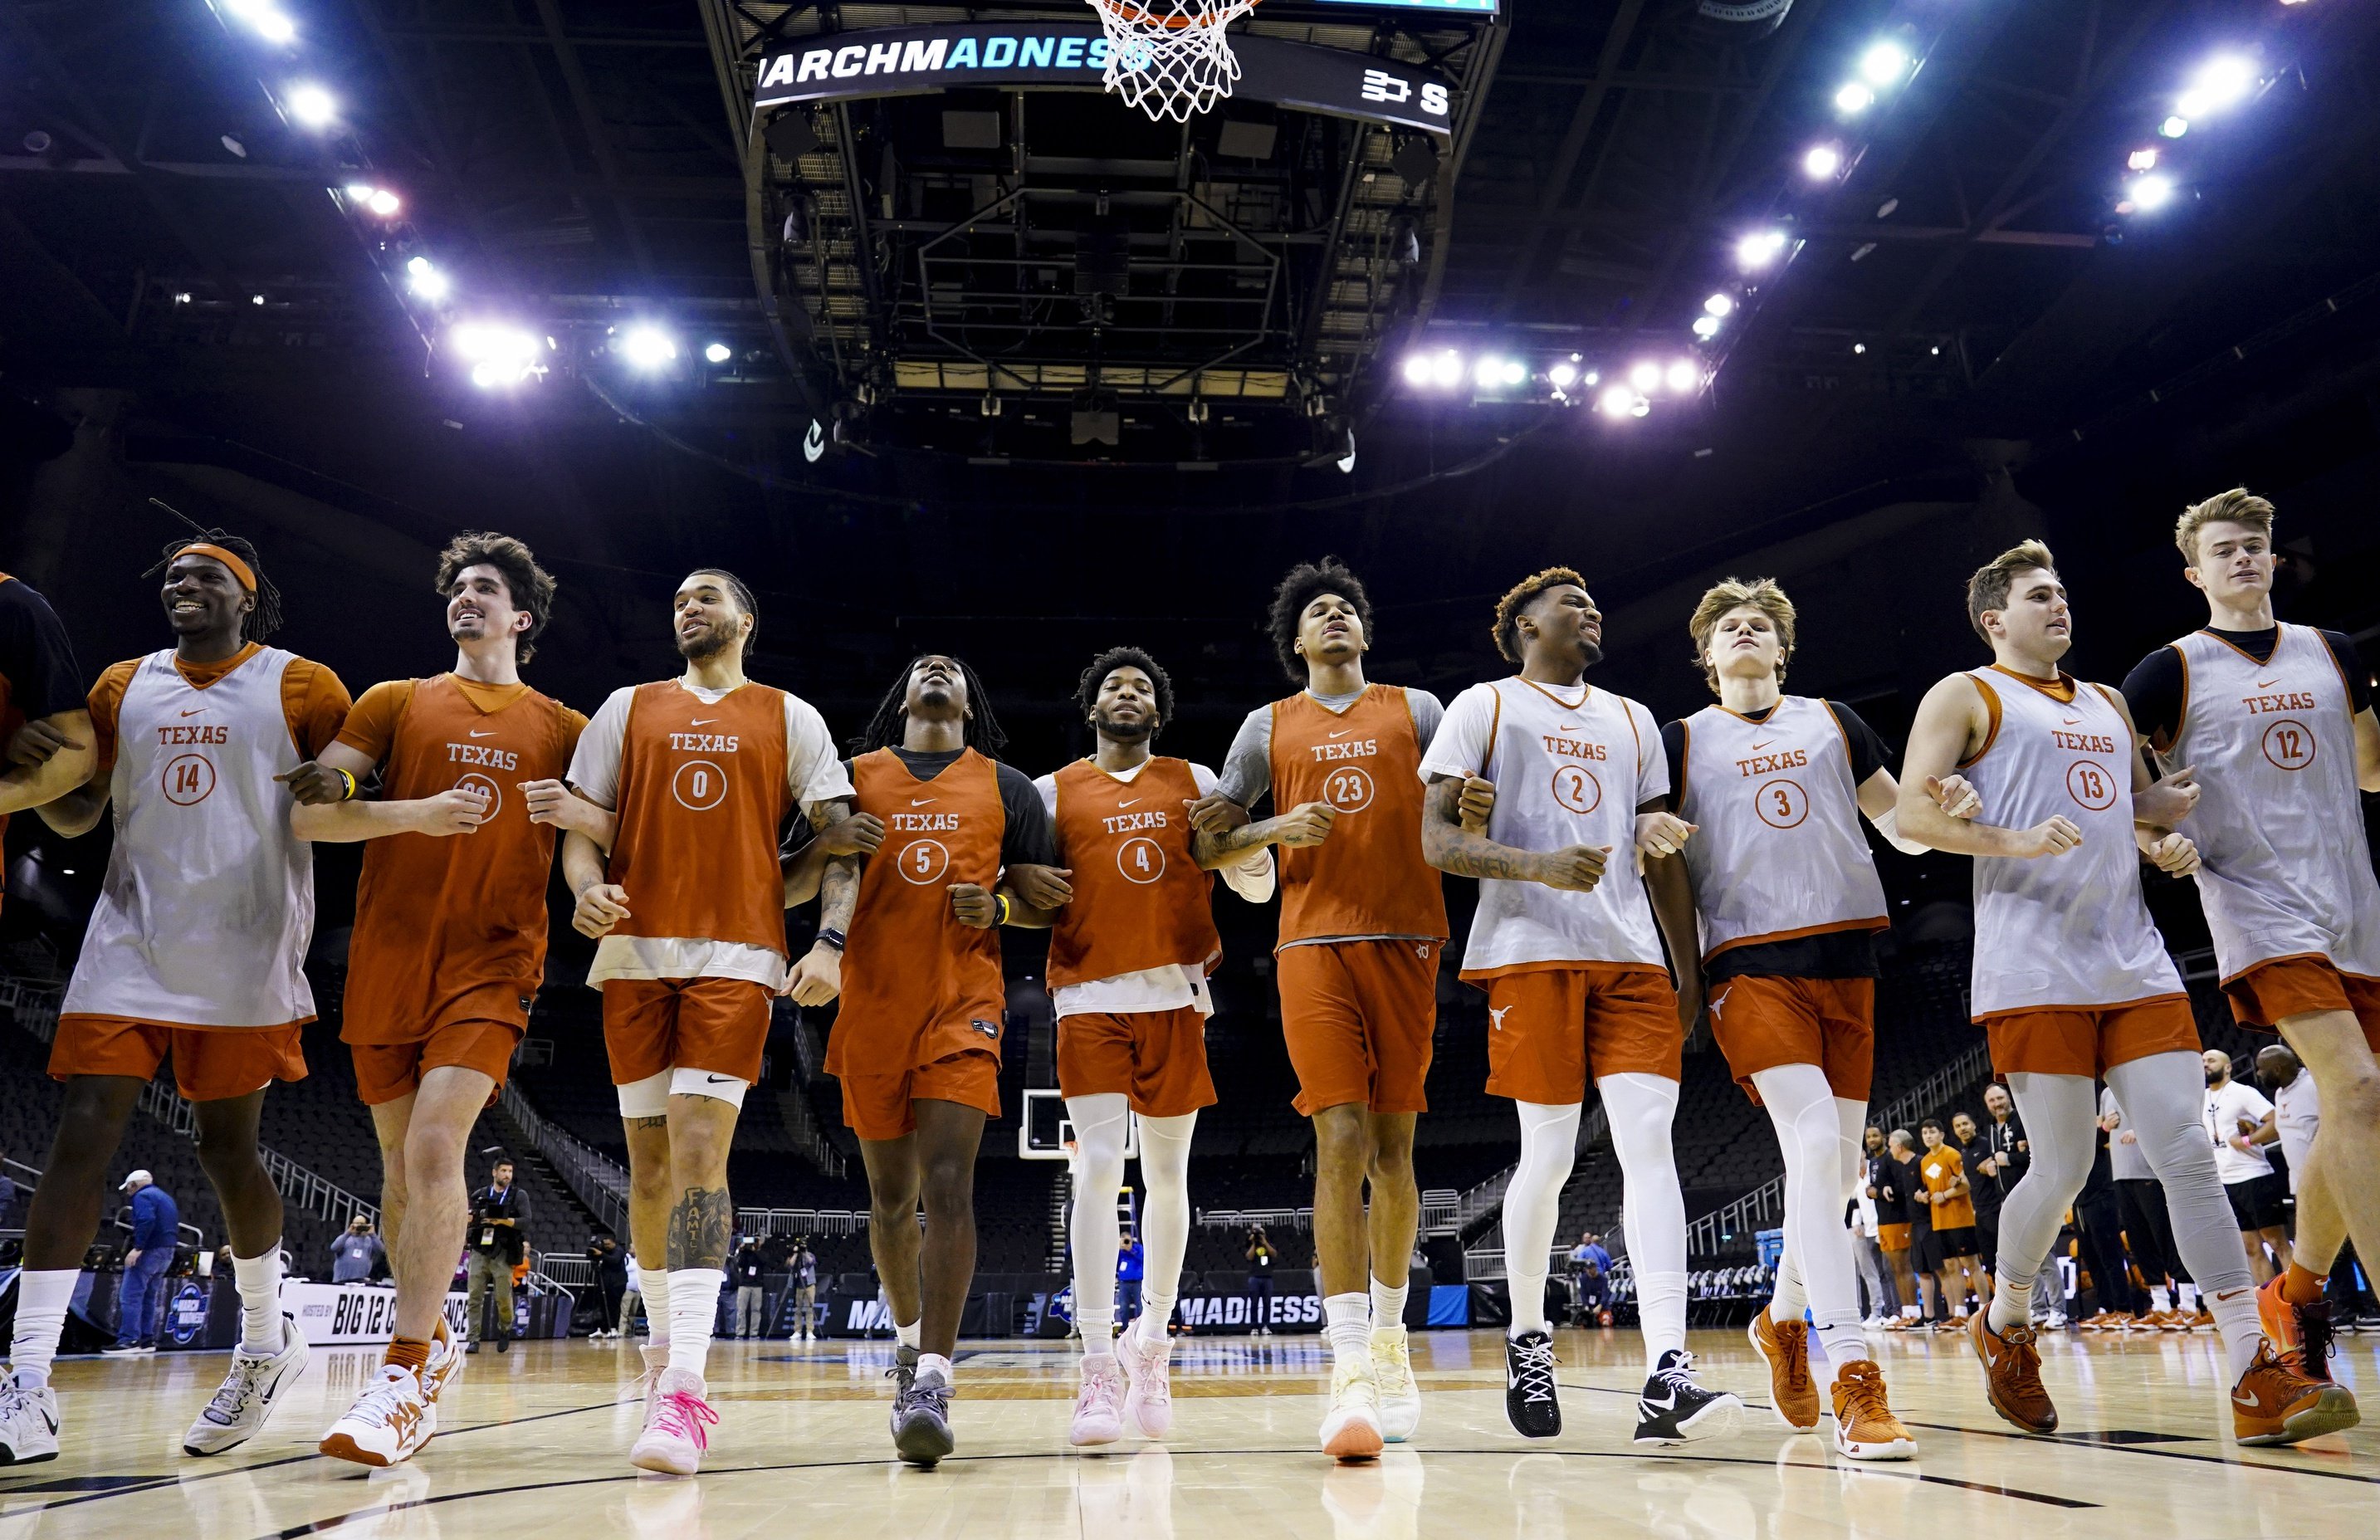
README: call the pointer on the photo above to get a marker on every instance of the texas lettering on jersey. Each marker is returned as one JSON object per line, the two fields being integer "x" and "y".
{"x": 1573, "y": 748}
{"x": 2084, "y": 743}
{"x": 1770, "y": 764}
{"x": 1362, "y": 748}
{"x": 2288, "y": 700}
{"x": 924, "y": 821}
{"x": 1124, "y": 823}
{"x": 483, "y": 754}
{"x": 704, "y": 742}
{"x": 174, "y": 735}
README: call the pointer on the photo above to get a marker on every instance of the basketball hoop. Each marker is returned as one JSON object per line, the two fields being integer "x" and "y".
{"x": 1171, "y": 59}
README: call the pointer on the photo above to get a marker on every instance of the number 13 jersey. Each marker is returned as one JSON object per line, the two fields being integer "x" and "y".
{"x": 2070, "y": 931}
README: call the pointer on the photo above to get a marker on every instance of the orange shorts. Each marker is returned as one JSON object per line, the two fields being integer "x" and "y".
{"x": 2268, "y": 993}
{"x": 1547, "y": 1028}
{"x": 210, "y": 1063}
{"x": 1358, "y": 1017}
{"x": 1892, "y": 1237}
{"x": 389, "y": 1071}
{"x": 652, "y": 1025}
{"x": 877, "y": 1106}
{"x": 1155, "y": 1059}
{"x": 2088, "y": 1041}
{"x": 1763, "y": 1023}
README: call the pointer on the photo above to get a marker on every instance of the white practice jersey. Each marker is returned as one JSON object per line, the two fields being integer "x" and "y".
{"x": 2070, "y": 931}
{"x": 209, "y": 902}
{"x": 2228, "y": 1107}
{"x": 1777, "y": 851}
{"x": 2285, "y": 871}
{"x": 1571, "y": 769}
{"x": 2297, "y": 1117}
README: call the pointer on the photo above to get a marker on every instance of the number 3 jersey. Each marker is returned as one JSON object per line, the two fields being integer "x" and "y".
{"x": 2285, "y": 871}
{"x": 209, "y": 902}
{"x": 1777, "y": 851}
{"x": 2068, "y": 932}
{"x": 1571, "y": 767}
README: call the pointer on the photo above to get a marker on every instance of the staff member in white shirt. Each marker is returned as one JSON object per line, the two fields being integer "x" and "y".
{"x": 2235, "y": 1111}
{"x": 2296, "y": 1115}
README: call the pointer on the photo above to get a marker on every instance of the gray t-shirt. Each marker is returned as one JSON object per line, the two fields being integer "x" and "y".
{"x": 1247, "y": 768}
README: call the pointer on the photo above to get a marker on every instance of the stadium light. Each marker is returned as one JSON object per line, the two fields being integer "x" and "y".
{"x": 2222, "y": 81}
{"x": 718, "y": 353}
{"x": 2150, "y": 193}
{"x": 1684, "y": 374}
{"x": 1618, "y": 401}
{"x": 648, "y": 347}
{"x": 1759, "y": 248}
{"x": 1706, "y": 327}
{"x": 1419, "y": 369}
{"x": 500, "y": 354}
{"x": 424, "y": 278}
{"x": 1884, "y": 62}
{"x": 2174, "y": 127}
{"x": 2141, "y": 159}
{"x": 1515, "y": 373}
{"x": 1721, "y": 305}
{"x": 1822, "y": 162}
{"x": 1644, "y": 375}
{"x": 1446, "y": 369}
{"x": 262, "y": 17}
{"x": 1853, "y": 99}
{"x": 1562, "y": 376}
{"x": 311, "y": 106}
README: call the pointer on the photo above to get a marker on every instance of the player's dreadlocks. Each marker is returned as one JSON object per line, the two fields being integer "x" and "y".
{"x": 1087, "y": 690}
{"x": 1306, "y": 580}
{"x": 265, "y": 618}
{"x": 884, "y": 729}
{"x": 1519, "y": 598}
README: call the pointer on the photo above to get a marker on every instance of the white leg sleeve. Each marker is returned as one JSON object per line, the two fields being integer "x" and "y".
{"x": 1653, "y": 1206}
{"x": 1532, "y": 1206}
{"x": 2061, "y": 1119}
{"x": 1098, "y": 1173}
{"x": 1164, "y": 1217}
{"x": 2165, "y": 1095}
{"x": 1809, "y": 1131}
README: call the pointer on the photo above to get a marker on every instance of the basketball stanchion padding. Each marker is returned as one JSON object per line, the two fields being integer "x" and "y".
{"x": 1171, "y": 59}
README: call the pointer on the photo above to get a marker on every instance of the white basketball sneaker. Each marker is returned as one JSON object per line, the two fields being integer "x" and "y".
{"x": 1350, "y": 1429}
{"x": 446, "y": 1364}
{"x": 1098, "y": 1407}
{"x": 1148, "y": 1366}
{"x": 29, "y": 1422}
{"x": 246, "y": 1397}
{"x": 1392, "y": 1375}
{"x": 389, "y": 1422}
{"x": 677, "y": 1426}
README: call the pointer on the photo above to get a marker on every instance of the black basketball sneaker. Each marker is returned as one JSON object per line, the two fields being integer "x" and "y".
{"x": 1674, "y": 1409}
{"x": 922, "y": 1419}
{"x": 1529, "y": 1399}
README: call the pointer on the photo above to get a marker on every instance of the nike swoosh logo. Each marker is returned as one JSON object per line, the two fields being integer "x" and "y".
{"x": 2260, "y": 683}
{"x": 477, "y": 734}
{"x": 2071, "y": 720}
{"x": 921, "y": 801}
{"x": 700, "y": 721}
{"x": 1127, "y": 804}
{"x": 2248, "y": 1400}
{"x": 1569, "y": 727}
{"x": 1342, "y": 732}
{"x": 1669, "y": 1405}
{"x": 721, "y": 1079}
{"x": 1762, "y": 743}
{"x": 194, "y": 711}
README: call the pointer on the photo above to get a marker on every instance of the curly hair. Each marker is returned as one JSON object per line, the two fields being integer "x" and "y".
{"x": 530, "y": 585}
{"x": 884, "y": 729}
{"x": 1087, "y": 689}
{"x": 1507, "y": 632}
{"x": 1305, "y": 582}
{"x": 1734, "y": 593}
{"x": 2237, "y": 506}
{"x": 265, "y": 618}
{"x": 1988, "y": 589}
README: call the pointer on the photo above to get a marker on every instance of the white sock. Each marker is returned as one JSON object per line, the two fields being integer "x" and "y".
{"x": 2160, "y": 1298}
{"x": 1662, "y": 1308}
{"x": 653, "y": 1284}
{"x": 2011, "y": 1303}
{"x": 935, "y": 1363}
{"x": 694, "y": 1310}
{"x": 907, "y": 1335}
{"x": 1389, "y": 1306}
{"x": 1347, "y": 1321}
{"x": 41, "y": 1301}
{"x": 2236, "y": 1321}
{"x": 1793, "y": 1297}
{"x": 1532, "y": 1206}
{"x": 2189, "y": 1293}
{"x": 258, "y": 1279}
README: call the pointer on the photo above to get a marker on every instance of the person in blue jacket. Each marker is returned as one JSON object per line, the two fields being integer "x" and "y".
{"x": 156, "y": 1223}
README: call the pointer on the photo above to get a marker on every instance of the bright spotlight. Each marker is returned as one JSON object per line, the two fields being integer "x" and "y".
{"x": 1706, "y": 327}
{"x": 310, "y": 106}
{"x": 1593, "y": 377}
{"x": 1884, "y": 62}
{"x": 263, "y": 18}
{"x": 2174, "y": 127}
{"x": 1759, "y": 248}
{"x": 1822, "y": 162}
{"x": 498, "y": 353}
{"x": 1853, "y": 99}
{"x": 1488, "y": 373}
{"x": 2222, "y": 81}
{"x": 648, "y": 347}
{"x": 1720, "y": 305}
{"x": 1419, "y": 369}
{"x": 423, "y": 277}
{"x": 1640, "y": 407}
{"x": 1684, "y": 376}
{"x": 2142, "y": 159}
{"x": 360, "y": 192}
{"x": 2151, "y": 192}
{"x": 718, "y": 353}
{"x": 1645, "y": 375}
{"x": 1515, "y": 373}
{"x": 1446, "y": 369}
{"x": 1562, "y": 376}
{"x": 1617, "y": 400}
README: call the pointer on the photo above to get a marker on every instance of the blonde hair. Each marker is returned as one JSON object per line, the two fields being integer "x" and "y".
{"x": 2237, "y": 506}
{"x": 1988, "y": 589}
{"x": 1734, "y": 593}
{"x": 1519, "y": 598}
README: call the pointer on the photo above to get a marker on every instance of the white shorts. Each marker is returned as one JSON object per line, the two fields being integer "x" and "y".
{"x": 648, "y": 1097}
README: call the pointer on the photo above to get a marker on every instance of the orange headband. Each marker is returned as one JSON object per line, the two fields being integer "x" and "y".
{"x": 239, "y": 569}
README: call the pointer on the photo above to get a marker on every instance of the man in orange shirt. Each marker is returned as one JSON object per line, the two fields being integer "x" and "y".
{"x": 1950, "y": 1250}
{"x": 449, "y": 941}
{"x": 1363, "y": 921}
{"x": 195, "y": 953}
{"x": 704, "y": 771}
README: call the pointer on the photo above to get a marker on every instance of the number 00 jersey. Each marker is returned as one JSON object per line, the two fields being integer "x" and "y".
{"x": 2070, "y": 931}
{"x": 1368, "y": 880}
{"x": 1777, "y": 851}
{"x": 2284, "y": 868}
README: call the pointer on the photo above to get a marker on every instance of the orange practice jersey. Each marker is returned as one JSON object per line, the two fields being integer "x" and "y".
{"x": 1140, "y": 901}
{"x": 453, "y": 928}
{"x": 702, "y": 804}
{"x": 917, "y": 984}
{"x": 1942, "y": 1167}
{"x": 1369, "y": 878}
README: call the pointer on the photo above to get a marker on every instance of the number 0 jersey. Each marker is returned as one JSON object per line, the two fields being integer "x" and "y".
{"x": 1368, "y": 879}
{"x": 2284, "y": 871}
{"x": 1777, "y": 851}
{"x": 2069, "y": 931}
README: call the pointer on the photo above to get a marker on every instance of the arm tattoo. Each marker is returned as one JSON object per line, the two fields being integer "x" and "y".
{"x": 837, "y": 892}
{"x": 698, "y": 1226}
{"x": 649, "y": 1122}
{"x": 1238, "y": 842}
{"x": 1446, "y": 846}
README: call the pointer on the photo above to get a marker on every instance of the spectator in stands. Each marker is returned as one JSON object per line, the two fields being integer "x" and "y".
{"x": 1261, "y": 1258}
{"x": 748, "y": 1270}
{"x": 1128, "y": 1272}
{"x": 609, "y": 1266}
{"x": 156, "y": 1223}
{"x": 357, "y": 1254}
{"x": 498, "y": 1244}
{"x": 802, "y": 1263}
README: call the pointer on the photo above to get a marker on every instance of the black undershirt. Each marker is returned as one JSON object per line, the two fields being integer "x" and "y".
{"x": 1830, "y": 954}
{"x": 2158, "y": 688}
{"x": 36, "y": 659}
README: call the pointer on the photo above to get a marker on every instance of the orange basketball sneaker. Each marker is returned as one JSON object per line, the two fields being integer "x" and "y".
{"x": 2274, "y": 1403}
{"x": 1786, "y": 1347}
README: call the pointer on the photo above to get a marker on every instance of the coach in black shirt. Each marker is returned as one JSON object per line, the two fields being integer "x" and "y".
{"x": 1995, "y": 1165}
{"x": 498, "y": 1243}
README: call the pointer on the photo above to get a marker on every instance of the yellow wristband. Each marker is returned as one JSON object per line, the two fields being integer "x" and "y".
{"x": 349, "y": 778}
{"x": 1005, "y": 908}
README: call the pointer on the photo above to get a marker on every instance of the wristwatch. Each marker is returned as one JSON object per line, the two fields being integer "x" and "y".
{"x": 832, "y": 937}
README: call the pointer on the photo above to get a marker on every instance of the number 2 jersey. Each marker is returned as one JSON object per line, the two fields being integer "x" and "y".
{"x": 2063, "y": 933}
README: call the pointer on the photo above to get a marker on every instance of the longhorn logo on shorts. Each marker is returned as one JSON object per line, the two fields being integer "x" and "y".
{"x": 1497, "y": 1014}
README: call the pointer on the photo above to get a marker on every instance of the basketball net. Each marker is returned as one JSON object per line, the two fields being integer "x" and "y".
{"x": 1171, "y": 59}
